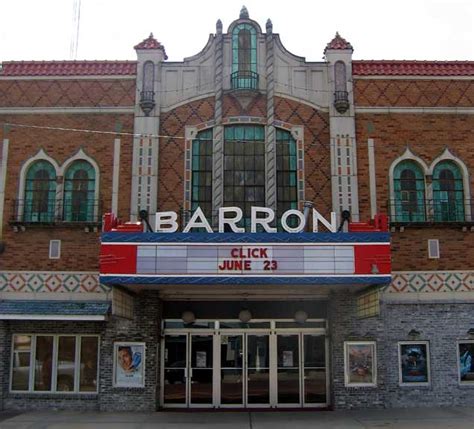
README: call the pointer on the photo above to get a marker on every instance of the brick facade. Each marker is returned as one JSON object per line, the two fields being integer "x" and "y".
{"x": 62, "y": 108}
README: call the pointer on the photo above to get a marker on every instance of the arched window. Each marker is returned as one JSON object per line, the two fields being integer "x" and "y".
{"x": 244, "y": 57}
{"x": 287, "y": 171}
{"x": 79, "y": 192}
{"x": 409, "y": 187}
{"x": 340, "y": 76}
{"x": 201, "y": 179}
{"x": 448, "y": 192}
{"x": 244, "y": 168}
{"x": 40, "y": 192}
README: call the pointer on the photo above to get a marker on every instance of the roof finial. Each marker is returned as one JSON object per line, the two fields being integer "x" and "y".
{"x": 244, "y": 13}
{"x": 219, "y": 26}
{"x": 269, "y": 26}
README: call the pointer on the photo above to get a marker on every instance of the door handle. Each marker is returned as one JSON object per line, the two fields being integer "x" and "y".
{"x": 185, "y": 372}
{"x": 190, "y": 373}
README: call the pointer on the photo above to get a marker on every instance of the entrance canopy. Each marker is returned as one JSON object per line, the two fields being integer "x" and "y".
{"x": 131, "y": 258}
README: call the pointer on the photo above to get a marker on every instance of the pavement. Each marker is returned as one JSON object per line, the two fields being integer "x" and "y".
{"x": 407, "y": 418}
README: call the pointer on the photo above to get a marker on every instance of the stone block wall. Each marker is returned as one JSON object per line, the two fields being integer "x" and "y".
{"x": 145, "y": 327}
{"x": 441, "y": 324}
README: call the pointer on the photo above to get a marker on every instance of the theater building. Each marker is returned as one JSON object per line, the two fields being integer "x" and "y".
{"x": 242, "y": 229}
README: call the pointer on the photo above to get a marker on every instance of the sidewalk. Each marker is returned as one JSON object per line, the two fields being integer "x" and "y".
{"x": 416, "y": 418}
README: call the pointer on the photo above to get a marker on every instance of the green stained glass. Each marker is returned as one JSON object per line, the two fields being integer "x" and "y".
{"x": 409, "y": 189}
{"x": 79, "y": 192}
{"x": 201, "y": 178}
{"x": 40, "y": 192}
{"x": 244, "y": 184}
{"x": 448, "y": 192}
{"x": 286, "y": 162}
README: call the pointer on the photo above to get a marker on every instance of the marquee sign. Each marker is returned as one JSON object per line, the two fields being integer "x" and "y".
{"x": 246, "y": 258}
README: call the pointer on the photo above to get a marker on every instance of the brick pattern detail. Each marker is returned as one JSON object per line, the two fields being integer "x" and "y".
{"x": 257, "y": 106}
{"x": 34, "y": 282}
{"x": 434, "y": 281}
{"x": 413, "y": 93}
{"x": 171, "y": 160}
{"x": 317, "y": 156}
{"x": 29, "y": 250}
{"x": 67, "y": 93}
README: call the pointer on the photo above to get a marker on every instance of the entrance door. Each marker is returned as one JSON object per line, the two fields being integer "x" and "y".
{"x": 175, "y": 383}
{"x": 245, "y": 370}
{"x": 200, "y": 369}
{"x": 314, "y": 369}
{"x": 288, "y": 369}
{"x": 258, "y": 369}
{"x": 188, "y": 363}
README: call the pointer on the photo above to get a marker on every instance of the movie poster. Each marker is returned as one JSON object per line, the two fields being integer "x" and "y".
{"x": 414, "y": 363}
{"x": 129, "y": 364}
{"x": 360, "y": 363}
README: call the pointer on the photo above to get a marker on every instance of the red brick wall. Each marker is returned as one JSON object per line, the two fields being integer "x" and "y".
{"x": 67, "y": 93}
{"x": 427, "y": 136}
{"x": 413, "y": 93}
{"x": 29, "y": 250}
{"x": 171, "y": 159}
{"x": 317, "y": 156}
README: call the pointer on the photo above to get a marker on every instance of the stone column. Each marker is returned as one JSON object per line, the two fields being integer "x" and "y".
{"x": 270, "y": 144}
{"x": 218, "y": 132}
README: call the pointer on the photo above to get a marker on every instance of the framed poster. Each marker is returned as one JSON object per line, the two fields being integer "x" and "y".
{"x": 360, "y": 363}
{"x": 466, "y": 361}
{"x": 414, "y": 362}
{"x": 129, "y": 364}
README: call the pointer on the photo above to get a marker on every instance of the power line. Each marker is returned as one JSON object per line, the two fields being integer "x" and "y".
{"x": 120, "y": 133}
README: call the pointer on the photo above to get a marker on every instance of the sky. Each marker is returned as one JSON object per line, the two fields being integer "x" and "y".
{"x": 108, "y": 29}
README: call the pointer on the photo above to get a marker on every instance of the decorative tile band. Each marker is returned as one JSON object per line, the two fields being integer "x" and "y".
{"x": 431, "y": 281}
{"x": 88, "y": 282}
{"x": 34, "y": 282}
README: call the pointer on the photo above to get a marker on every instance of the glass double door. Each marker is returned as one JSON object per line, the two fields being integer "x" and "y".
{"x": 188, "y": 370}
{"x": 244, "y": 370}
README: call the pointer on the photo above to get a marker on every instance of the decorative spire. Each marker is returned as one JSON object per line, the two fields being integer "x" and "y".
{"x": 151, "y": 43}
{"x": 219, "y": 26}
{"x": 269, "y": 26}
{"x": 338, "y": 43}
{"x": 244, "y": 13}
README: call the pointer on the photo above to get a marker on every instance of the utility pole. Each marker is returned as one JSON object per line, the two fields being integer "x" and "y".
{"x": 76, "y": 19}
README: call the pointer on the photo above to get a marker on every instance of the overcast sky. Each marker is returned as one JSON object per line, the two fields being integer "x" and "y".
{"x": 377, "y": 29}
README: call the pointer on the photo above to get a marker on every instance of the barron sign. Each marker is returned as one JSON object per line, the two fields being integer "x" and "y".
{"x": 230, "y": 217}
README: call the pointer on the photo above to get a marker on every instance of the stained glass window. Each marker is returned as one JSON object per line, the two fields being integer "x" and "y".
{"x": 286, "y": 162}
{"x": 40, "y": 192}
{"x": 448, "y": 192}
{"x": 79, "y": 192}
{"x": 409, "y": 187}
{"x": 244, "y": 168}
{"x": 244, "y": 57}
{"x": 201, "y": 180}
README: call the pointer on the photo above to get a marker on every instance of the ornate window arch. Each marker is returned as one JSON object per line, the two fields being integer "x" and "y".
{"x": 39, "y": 192}
{"x": 244, "y": 57}
{"x": 408, "y": 204}
{"x": 448, "y": 192}
{"x": 79, "y": 204}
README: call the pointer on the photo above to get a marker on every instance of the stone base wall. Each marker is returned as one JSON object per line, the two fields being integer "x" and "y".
{"x": 345, "y": 326}
{"x": 143, "y": 328}
{"x": 441, "y": 324}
